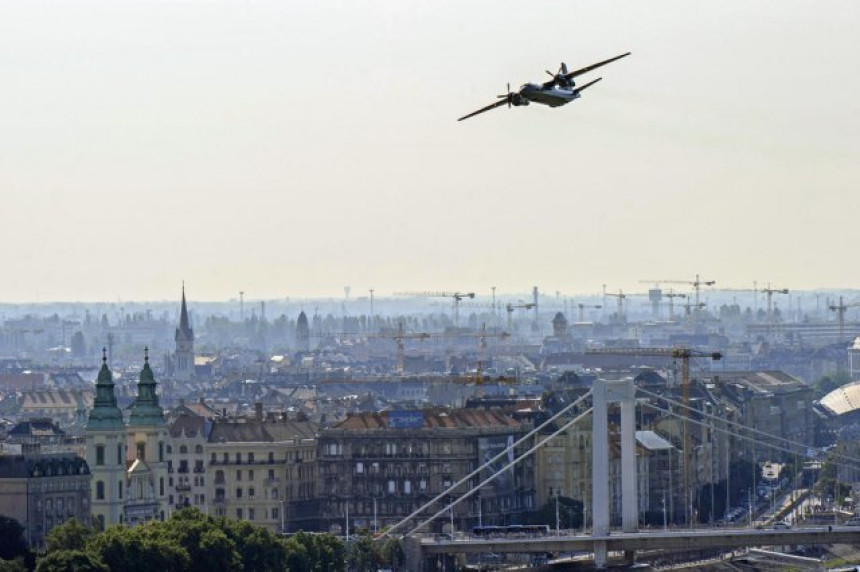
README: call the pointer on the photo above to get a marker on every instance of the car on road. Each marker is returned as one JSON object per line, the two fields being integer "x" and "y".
{"x": 780, "y": 525}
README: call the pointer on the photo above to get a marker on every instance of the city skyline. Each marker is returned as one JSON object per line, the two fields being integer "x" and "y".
{"x": 289, "y": 150}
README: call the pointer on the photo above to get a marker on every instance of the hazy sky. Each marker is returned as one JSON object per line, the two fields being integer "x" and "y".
{"x": 290, "y": 148}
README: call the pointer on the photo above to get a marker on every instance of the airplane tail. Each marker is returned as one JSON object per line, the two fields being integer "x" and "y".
{"x": 581, "y": 88}
{"x": 563, "y": 68}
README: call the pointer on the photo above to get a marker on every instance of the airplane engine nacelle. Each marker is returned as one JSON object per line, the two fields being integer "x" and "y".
{"x": 519, "y": 100}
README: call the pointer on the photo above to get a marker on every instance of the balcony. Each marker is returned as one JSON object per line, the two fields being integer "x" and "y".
{"x": 219, "y": 500}
{"x": 272, "y": 480}
{"x": 183, "y": 487}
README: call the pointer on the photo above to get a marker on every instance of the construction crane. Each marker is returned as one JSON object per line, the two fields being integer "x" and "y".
{"x": 399, "y": 336}
{"x": 840, "y": 311}
{"x": 482, "y": 348}
{"x": 696, "y": 284}
{"x": 509, "y": 308}
{"x": 689, "y": 307}
{"x": 620, "y": 295}
{"x": 456, "y": 296}
{"x": 684, "y": 354}
{"x": 770, "y": 292}
{"x": 582, "y": 308}
{"x": 672, "y": 295}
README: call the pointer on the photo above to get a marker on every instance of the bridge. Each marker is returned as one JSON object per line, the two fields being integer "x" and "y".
{"x": 685, "y": 539}
{"x": 421, "y": 548}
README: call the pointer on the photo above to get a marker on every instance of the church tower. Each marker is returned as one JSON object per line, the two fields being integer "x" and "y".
{"x": 184, "y": 356}
{"x": 303, "y": 333}
{"x": 105, "y": 452}
{"x": 146, "y": 436}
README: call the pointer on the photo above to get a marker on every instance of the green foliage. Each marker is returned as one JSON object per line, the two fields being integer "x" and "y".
{"x": 71, "y": 535}
{"x": 363, "y": 554}
{"x": 12, "y": 543}
{"x": 189, "y": 541}
{"x": 393, "y": 554}
{"x": 64, "y": 560}
{"x": 827, "y": 383}
{"x": 16, "y": 565}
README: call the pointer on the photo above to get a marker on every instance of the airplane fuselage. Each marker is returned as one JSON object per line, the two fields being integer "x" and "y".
{"x": 552, "y": 96}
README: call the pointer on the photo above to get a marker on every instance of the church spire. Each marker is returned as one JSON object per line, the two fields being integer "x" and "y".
{"x": 105, "y": 413}
{"x": 183, "y": 313}
{"x": 146, "y": 409}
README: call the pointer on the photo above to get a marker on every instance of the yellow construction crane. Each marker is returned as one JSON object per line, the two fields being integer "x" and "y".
{"x": 684, "y": 354}
{"x": 840, "y": 310}
{"x": 399, "y": 336}
{"x": 456, "y": 296}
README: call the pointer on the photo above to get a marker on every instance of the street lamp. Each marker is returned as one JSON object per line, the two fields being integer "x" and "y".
{"x": 282, "y": 517}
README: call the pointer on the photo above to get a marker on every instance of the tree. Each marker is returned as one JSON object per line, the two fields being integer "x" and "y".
{"x": 140, "y": 549}
{"x": 70, "y": 561}
{"x": 393, "y": 554}
{"x": 71, "y": 535}
{"x": 259, "y": 549}
{"x": 16, "y": 565}
{"x": 363, "y": 555}
{"x": 12, "y": 543}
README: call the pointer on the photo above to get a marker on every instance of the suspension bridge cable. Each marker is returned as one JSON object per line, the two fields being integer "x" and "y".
{"x": 498, "y": 473}
{"x": 501, "y": 454}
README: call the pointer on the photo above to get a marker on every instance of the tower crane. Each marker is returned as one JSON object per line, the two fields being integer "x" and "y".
{"x": 509, "y": 308}
{"x": 582, "y": 308}
{"x": 620, "y": 295}
{"x": 399, "y": 337}
{"x": 696, "y": 284}
{"x": 672, "y": 295}
{"x": 456, "y": 296}
{"x": 684, "y": 354}
{"x": 840, "y": 311}
{"x": 770, "y": 292}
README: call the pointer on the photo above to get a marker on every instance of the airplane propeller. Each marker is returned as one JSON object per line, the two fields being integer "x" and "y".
{"x": 509, "y": 95}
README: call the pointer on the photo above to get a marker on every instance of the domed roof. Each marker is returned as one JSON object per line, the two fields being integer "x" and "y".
{"x": 843, "y": 399}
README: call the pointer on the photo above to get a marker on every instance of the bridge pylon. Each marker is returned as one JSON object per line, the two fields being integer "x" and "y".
{"x": 605, "y": 392}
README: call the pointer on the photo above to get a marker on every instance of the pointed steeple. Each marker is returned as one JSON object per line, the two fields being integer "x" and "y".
{"x": 184, "y": 331}
{"x": 146, "y": 411}
{"x": 105, "y": 414}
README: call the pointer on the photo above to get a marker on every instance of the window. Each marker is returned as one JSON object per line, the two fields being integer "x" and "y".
{"x": 219, "y": 477}
{"x": 119, "y": 483}
{"x": 161, "y": 451}
{"x": 161, "y": 487}
{"x": 422, "y": 484}
{"x": 213, "y": 458}
{"x": 239, "y": 474}
{"x": 100, "y": 454}
{"x": 238, "y": 458}
{"x": 251, "y": 458}
{"x": 198, "y": 449}
{"x": 169, "y": 449}
{"x": 407, "y": 487}
{"x": 141, "y": 451}
{"x": 238, "y": 513}
{"x": 251, "y": 514}
{"x": 100, "y": 491}
{"x": 183, "y": 450}
{"x": 275, "y": 513}
{"x": 119, "y": 455}
{"x": 271, "y": 474}
{"x": 251, "y": 492}
{"x": 392, "y": 487}
{"x": 239, "y": 493}
{"x": 226, "y": 457}
{"x": 251, "y": 475}
{"x": 359, "y": 468}
{"x": 271, "y": 457}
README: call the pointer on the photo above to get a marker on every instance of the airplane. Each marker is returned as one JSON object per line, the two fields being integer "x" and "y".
{"x": 560, "y": 90}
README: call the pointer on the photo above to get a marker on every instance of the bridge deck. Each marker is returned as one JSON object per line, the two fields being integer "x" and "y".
{"x": 651, "y": 540}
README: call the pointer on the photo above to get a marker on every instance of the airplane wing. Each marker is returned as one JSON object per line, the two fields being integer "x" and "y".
{"x": 487, "y": 108}
{"x": 587, "y": 69}
{"x": 577, "y": 90}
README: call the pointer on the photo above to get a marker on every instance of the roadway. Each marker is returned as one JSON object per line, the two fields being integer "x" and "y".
{"x": 683, "y": 539}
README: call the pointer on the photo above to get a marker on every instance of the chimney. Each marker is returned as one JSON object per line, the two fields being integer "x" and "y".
{"x": 258, "y": 411}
